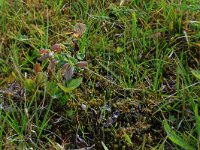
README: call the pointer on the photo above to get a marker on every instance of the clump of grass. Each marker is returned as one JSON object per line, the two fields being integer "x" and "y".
{"x": 143, "y": 62}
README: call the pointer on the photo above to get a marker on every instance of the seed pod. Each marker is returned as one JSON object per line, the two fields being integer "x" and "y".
{"x": 81, "y": 64}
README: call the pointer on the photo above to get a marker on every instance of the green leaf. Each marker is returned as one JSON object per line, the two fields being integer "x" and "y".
{"x": 80, "y": 56}
{"x": 119, "y": 49}
{"x": 40, "y": 78}
{"x": 74, "y": 83}
{"x": 176, "y": 139}
{"x": 51, "y": 86}
{"x": 65, "y": 89}
{"x": 127, "y": 138}
{"x": 196, "y": 73}
{"x": 53, "y": 90}
{"x": 29, "y": 85}
{"x": 64, "y": 99}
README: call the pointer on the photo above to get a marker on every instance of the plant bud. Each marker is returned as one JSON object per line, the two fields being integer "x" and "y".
{"x": 56, "y": 48}
{"x": 37, "y": 68}
{"x": 67, "y": 71}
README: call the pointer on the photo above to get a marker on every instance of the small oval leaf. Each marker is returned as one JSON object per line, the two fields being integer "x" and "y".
{"x": 30, "y": 85}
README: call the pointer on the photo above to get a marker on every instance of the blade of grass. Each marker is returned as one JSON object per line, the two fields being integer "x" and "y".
{"x": 175, "y": 138}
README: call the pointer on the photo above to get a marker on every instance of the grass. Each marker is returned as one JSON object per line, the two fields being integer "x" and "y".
{"x": 140, "y": 89}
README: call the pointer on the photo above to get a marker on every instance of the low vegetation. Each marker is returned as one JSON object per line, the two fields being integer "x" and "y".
{"x": 99, "y": 74}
